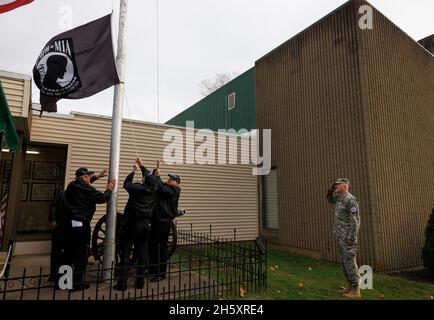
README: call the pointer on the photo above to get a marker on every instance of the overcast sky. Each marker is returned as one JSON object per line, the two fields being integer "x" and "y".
{"x": 197, "y": 38}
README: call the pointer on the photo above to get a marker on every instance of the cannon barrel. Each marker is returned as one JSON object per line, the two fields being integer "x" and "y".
{"x": 181, "y": 212}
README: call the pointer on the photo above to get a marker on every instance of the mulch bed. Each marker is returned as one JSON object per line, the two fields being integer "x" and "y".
{"x": 422, "y": 275}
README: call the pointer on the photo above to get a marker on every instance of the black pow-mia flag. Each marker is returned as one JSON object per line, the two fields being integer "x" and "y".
{"x": 76, "y": 64}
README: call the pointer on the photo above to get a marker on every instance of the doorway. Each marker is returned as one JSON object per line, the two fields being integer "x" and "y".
{"x": 43, "y": 178}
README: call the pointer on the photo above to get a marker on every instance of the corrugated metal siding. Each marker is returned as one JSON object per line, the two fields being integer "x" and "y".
{"x": 212, "y": 113}
{"x": 225, "y": 197}
{"x": 400, "y": 93}
{"x": 18, "y": 93}
{"x": 309, "y": 94}
{"x": 269, "y": 198}
{"x": 346, "y": 102}
{"x": 14, "y": 90}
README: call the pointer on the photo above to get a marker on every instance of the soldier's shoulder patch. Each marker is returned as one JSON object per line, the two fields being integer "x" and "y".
{"x": 353, "y": 209}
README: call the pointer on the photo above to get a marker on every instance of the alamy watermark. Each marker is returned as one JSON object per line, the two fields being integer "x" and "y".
{"x": 66, "y": 278}
{"x": 366, "y": 21}
{"x": 66, "y": 17}
{"x": 366, "y": 278}
{"x": 226, "y": 146}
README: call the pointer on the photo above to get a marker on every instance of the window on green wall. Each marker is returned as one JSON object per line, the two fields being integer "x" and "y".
{"x": 231, "y": 101}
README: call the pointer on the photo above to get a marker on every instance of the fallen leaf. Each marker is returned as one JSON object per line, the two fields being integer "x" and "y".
{"x": 300, "y": 293}
{"x": 289, "y": 276}
{"x": 301, "y": 284}
{"x": 277, "y": 267}
{"x": 310, "y": 269}
{"x": 431, "y": 297}
{"x": 272, "y": 269}
{"x": 381, "y": 296}
{"x": 342, "y": 288}
{"x": 278, "y": 291}
{"x": 242, "y": 293}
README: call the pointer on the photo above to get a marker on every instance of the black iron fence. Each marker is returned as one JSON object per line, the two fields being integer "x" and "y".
{"x": 202, "y": 267}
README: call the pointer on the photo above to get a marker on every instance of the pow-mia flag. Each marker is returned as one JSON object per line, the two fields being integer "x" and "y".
{"x": 76, "y": 64}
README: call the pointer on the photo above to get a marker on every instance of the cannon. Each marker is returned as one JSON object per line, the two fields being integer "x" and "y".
{"x": 98, "y": 237}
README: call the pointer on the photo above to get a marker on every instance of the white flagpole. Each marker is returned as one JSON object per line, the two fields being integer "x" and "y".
{"x": 110, "y": 235}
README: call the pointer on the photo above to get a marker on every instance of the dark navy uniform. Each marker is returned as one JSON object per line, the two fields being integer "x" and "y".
{"x": 166, "y": 207}
{"x": 80, "y": 201}
{"x": 136, "y": 226}
{"x": 57, "y": 215}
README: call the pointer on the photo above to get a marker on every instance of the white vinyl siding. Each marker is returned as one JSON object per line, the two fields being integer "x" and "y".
{"x": 224, "y": 196}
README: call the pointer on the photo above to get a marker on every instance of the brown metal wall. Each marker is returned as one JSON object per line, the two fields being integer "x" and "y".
{"x": 338, "y": 100}
{"x": 400, "y": 97}
{"x": 308, "y": 93}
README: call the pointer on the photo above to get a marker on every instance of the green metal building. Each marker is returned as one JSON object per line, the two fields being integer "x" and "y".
{"x": 232, "y": 106}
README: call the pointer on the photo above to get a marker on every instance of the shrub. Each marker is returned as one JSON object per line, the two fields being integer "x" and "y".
{"x": 428, "y": 248}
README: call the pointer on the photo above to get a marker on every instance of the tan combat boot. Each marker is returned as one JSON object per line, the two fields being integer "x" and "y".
{"x": 343, "y": 290}
{"x": 353, "y": 294}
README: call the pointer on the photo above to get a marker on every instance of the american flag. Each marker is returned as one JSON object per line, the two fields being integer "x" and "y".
{"x": 8, "y": 5}
{"x": 3, "y": 206}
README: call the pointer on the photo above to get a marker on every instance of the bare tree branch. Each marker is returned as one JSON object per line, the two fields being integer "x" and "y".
{"x": 208, "y": 86}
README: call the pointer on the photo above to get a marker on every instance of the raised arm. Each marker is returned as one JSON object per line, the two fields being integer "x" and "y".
{"x": 100, "y": 175}
{"x": 102, "y": 197}
{"x": 129, "y": 185}
{"x": 330, "y": 195}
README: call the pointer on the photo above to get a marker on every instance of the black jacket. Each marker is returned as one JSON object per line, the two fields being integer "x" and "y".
{"x": 57, "y": 208}
{"x": 167, "y": 198}
{"x": 81, "y": 200}
{"x": 141, "y": 196}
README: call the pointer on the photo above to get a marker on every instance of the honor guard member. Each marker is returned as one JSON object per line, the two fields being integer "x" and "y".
{"x": 347, "y": 224}
{"x": 57, "y": 220}
{"x": 81, "y": 199}
{"x": 136, "y": 225}
{"x": 166, "y": 207}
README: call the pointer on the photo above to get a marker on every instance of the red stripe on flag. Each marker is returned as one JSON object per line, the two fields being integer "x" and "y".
{"x": 13, "y": 5}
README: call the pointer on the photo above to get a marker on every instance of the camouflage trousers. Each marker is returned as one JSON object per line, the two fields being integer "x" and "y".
{"x": 348, "y": 262}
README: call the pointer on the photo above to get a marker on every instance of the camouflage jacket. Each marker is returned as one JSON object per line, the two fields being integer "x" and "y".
{"x": 347, "y": 216}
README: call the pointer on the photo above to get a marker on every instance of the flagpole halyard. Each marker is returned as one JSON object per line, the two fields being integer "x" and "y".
{"x": 118, "y": 99}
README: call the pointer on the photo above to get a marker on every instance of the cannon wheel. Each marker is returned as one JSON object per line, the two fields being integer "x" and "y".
{"x": 98, "y": 237}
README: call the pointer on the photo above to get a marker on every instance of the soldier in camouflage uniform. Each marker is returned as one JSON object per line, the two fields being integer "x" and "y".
{"x": 347, "y": 224}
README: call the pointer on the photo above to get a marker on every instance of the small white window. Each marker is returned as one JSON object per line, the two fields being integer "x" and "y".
{"x": 231, "y": 101}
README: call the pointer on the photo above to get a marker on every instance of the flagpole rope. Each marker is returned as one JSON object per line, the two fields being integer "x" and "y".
{"x": 126, "y": 100}
{"x": 131, "y": 122}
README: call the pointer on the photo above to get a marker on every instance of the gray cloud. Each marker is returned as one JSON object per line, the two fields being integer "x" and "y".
{"x": 198, "y": 38}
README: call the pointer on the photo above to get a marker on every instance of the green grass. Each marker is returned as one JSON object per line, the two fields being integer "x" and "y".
{"x": 294, "y": 277}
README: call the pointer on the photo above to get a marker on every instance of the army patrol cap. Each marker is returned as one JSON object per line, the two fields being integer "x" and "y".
{"x": 342, "y": 181}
